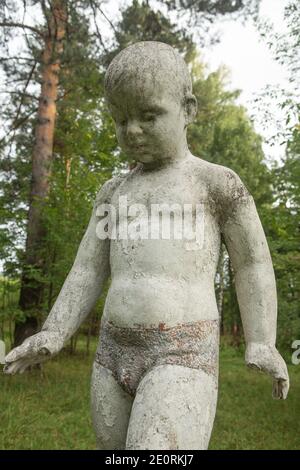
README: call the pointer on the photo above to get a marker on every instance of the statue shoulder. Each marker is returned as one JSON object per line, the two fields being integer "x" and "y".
{"x": 224, "y": 187}
{"x": 231, "y": 185}
{"x": 107, "y": 190}
{"x": 229, "y": 193}
{"x": 225, "y": 184}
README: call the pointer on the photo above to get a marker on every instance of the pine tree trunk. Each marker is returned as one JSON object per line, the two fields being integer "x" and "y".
{"x": 31, "y": 293}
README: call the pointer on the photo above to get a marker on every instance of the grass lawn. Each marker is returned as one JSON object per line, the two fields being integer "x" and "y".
{"x": 50, "y": 410}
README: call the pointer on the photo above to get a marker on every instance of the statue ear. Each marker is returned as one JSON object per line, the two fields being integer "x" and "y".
{"x": 190, "y": 107}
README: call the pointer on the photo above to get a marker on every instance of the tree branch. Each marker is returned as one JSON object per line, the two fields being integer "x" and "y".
{"x": 46, "y": 15}
{"x": 61, "y": 97}
{"x": 17, "y": 125}
{"x": 23, "y": 26}
{"x": 26, "y": 95}
{"x": 25, "y": 88}
{"x": 98, "y": 34}
{"x": 5, "y": 59}
{"x": 107, "y": 19}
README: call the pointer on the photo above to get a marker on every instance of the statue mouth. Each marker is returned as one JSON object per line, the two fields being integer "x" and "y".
{"x": 139, "y": 148}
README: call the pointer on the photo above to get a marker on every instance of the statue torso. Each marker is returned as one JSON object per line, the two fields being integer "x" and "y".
{"x": 168, "y": 281}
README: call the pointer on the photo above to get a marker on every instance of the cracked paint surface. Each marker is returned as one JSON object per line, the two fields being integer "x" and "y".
{"x": 129, "y": 353}
{"x": 154, "y": 381}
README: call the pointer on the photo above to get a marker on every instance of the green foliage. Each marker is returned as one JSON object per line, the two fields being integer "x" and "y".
{"x": 211, "y": 7}
{"x": 86, "y": 155}
{"x": 139, "y": 22}
{"x": 201, "y": 14}
{"x": 284, "y": 237}
{"x": 51, "y": 410}
{"x": 246, "y": 414}
{"x": 9, "y": 309}
{"x": 282, "y": 218}
{"x": 223, "y": 133}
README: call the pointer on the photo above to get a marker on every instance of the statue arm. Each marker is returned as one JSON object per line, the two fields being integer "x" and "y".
{"x": 255, "y": 286}
{"x": 253, "y": 272}
{"x": 85, "y": 281}
{"x": 77, "y": 297}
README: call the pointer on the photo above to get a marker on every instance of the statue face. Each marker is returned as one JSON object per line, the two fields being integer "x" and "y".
{"x": 150, "y": 121}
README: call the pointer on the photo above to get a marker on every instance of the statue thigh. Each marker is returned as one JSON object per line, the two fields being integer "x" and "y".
{"x": 111, "y": 407}
{"x": 174, "y": 408}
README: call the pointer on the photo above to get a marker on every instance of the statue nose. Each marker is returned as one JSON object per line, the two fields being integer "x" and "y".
{"x": 133, "y": 128}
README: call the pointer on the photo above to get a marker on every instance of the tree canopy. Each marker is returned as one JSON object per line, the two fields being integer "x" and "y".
{"x": 84, "y": 152}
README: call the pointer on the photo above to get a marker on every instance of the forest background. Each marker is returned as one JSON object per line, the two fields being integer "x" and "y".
{"x": 58, "y": 146}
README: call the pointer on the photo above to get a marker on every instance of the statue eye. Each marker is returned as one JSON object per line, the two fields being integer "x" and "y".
{"x": 148, "y": 117}
{"x": 122, "y": 122}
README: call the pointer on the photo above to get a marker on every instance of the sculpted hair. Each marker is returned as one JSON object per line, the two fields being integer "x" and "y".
{"x": 149, "y": 59}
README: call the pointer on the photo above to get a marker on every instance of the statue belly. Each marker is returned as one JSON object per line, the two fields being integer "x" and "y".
{"x": 150, "y": 302}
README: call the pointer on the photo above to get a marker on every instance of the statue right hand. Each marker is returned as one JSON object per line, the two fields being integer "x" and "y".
{"x": 266, "y": 358}
{"x": 34, "y": 350}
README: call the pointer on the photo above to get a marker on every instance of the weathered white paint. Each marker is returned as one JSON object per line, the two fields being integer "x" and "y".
{"x": 161, "y": 284}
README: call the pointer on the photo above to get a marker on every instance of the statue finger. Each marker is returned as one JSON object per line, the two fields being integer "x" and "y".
{"x": 14, "y": 355}
{"x": 280, "y": 389}
{"x": 24, "y": 366}
{"x": 12, "y": 368}
{"x": 285, "y": 389}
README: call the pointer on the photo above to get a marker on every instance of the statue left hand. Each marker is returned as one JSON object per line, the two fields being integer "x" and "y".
{"x": 266, "y": 358}
{"x": 34, "y": 350}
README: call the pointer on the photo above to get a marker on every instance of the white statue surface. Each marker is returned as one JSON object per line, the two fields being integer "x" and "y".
{"x": 155, "y": 374}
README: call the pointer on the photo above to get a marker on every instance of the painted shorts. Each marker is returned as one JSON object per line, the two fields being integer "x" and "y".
{"x": 130, "y": 353}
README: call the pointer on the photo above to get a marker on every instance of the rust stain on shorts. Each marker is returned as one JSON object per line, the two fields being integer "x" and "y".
{"x": 131, "y": 352}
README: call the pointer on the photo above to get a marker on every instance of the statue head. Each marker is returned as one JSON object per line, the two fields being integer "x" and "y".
{"x": 149, "y": 92}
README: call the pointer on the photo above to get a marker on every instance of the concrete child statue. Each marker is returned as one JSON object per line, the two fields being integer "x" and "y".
{"x": 155, "y": 375}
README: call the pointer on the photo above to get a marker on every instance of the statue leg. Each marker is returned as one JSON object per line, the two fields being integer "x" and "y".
{"x": 174, "y": 408}
{"x": 111, "y": 407}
